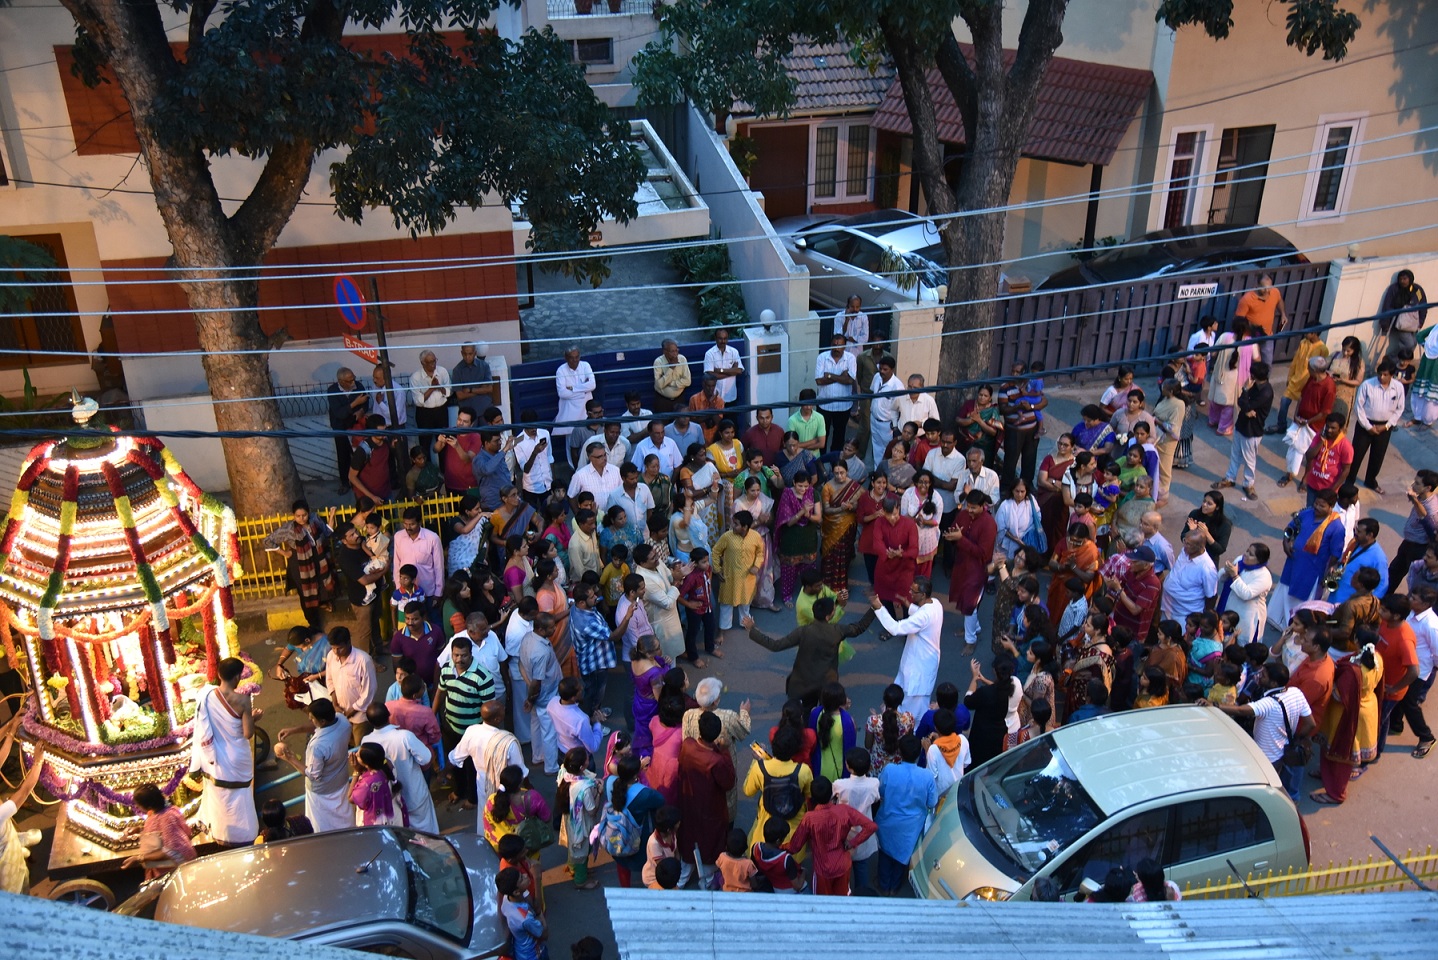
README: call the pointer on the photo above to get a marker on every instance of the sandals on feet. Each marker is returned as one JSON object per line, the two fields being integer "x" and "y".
{"x": 1421, "y": 751}
{"x": 1322, "y": 796}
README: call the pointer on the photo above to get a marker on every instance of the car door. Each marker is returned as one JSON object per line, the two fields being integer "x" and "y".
{"x": 1122, "y": 843}
{"x": 826, "y": 253}
{"x": 1214, "y": 832}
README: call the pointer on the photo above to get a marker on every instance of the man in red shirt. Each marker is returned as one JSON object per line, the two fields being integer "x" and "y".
{"x": 1136, "y": 594}
{"x": 829, "y": 830}
{"x": 973, "y": 535}
{"x": 1327, "y": 460}
{"x": 1315, "y": 403}
{"x": 764, "y": 435}
{"x": 1398, "y": 648}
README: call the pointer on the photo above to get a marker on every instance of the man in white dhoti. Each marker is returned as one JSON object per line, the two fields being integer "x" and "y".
{"x": 919, "y": 665}
{"x": 883, "y": 409}
{"x": 408, "y": 756}
{"x": 220, "y": 749}
{"x": 326, "y": 768}
{"x": 489, "y": 748}
{"x": 574, "y": 382}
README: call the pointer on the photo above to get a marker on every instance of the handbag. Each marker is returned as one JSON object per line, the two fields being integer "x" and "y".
{"x": 1407, "y": 322}
{"x": 295, "y": 687}
{"x": 536, "y": 833}
{"x": 1298, "y": 750}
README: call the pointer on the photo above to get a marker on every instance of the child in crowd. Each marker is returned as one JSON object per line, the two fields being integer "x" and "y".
{"x": 579, "y": 801}
{"x": 734, "y": 864}
{"x": 947, "y": 755}
{"x": 376, "y": 547}
{"x": 663, "y": 844}
{"x": 611, "y": 579}
{"x": 1225, "y": 686}
{"x": 694, "y": 596}
{"x": 406, "y": 590}
{"x": 772, "y": 858}
{"x": 525, "y": 923}
{"x": 513, "y": 855}
{"x": 403, "y": 667}
{"x": 832, "y": 830}
{"x": 1107, "y": 494}
{"x": 666, "y": 874}
{"x": 860, "y": 791}
{"x": 416, "y": 467}
{"x": 1252, "y": 687}
{"x": 1083, "y": 512}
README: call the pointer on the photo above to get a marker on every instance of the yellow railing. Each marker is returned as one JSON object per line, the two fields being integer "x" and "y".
{"x": 265, "y": 571}
{"x": 1373, "y": 875}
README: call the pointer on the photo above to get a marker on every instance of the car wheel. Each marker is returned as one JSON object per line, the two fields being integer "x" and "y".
{"x": 91, "y": 894}
{"x": 262, "y": 745}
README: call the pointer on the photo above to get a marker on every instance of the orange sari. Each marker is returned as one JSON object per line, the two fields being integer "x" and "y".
{"x": 1087, "y": 558}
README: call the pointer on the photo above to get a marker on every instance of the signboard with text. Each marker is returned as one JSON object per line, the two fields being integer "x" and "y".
{"x": 359, "y": 348}
{"x": 1196, "y": 291}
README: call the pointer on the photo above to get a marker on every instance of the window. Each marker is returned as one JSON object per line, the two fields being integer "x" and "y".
{"x": 1330, "y": 173}
{"x": 49, "y": 321}
{"x": 831, "y": 243}
{"x": 1219, "y": 826}
{"x": 1243, "y": 155}
{"x": 592, "y": 50}
{"x": 1123, "y": 844}
{"x": 1184, "y": 167}
{"x": 842, "y": 157}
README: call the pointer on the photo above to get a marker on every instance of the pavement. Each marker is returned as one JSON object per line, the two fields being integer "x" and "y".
{"x": 1394, "y": 800}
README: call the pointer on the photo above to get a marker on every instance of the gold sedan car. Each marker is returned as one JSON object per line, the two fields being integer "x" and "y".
{"x": 1184, "y": 785}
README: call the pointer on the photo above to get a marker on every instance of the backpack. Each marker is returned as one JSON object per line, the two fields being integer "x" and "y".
{"x": 782, "y": 797}
{"x": 619, "y": 832}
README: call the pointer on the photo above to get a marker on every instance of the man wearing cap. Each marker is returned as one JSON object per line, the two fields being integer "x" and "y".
{"x": 1135, "y": 594}
{"x": 1309, "y": 359}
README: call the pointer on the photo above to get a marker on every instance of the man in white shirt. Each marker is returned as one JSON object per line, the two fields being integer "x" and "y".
{"x": 1192, "y": 584}
{"x": 430, "y": 387}
{"x": 615, "y": 447}
{"x": 572, "y": 727}
{"x": 1280, "y": 715}
{"x": 852, "y": 324}
{"x": 914, "y": 406}
{"x": 351, "y": 680}
{"x": 1425, "y": 636}
{"x": 671, "y": 377}
{"x": 409, "y": 757}
{"x": 634, "y": 498}
{"x": 574, "y": 382}
{"x": 521, "y": 624}
{"x": 662, "y": 446}
{"x": 1378, "y": 406}
{"x": 919, "y": 664}
{"x": 380, "y": 399}
{"x": 488, "y": 748}
{"x": 535, "y": 456}
{"x": 723, "y": 363}
{"x": 596, "y": 476}
{"x": 976, "y": 476}
{"x": 836, "y": 372}
{"x": 946, "y": 465}
{"x": 485, "y": 647}
{"x": 882, "y": 412}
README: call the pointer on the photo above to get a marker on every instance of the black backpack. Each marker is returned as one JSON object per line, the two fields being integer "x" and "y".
{"x": 783, "y": 797}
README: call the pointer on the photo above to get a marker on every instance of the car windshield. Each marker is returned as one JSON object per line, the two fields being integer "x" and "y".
{"x": 1129, "y": 262}
{"x": 1031, "y": 805}
{"x": 439, "y": 896}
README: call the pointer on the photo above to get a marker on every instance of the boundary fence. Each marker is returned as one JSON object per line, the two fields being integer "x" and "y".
{"x": 1374, "y": 875}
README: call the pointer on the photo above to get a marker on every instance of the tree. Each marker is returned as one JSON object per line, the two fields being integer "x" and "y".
{"x": 995, "y": 95}
{"x": 21, "y": 263}
{"x": 461, "y": 115}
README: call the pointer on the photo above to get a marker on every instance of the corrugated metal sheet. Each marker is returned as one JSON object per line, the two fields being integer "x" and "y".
{"x": 1083, "y": 110}
{"x": 39, "y": 928}
{"x": 694, "y": 925}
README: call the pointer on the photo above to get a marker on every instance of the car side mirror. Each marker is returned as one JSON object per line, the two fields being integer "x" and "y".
{"x": 801, "y": 243}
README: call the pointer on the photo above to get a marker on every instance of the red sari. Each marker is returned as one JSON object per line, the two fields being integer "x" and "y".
{"x": 972, "y": 554}
{"x": 1052, "y": 509}
{"x": 893, "y": 576}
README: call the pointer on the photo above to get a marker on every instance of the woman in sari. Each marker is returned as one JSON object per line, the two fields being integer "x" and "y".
{"x": 1350, "y": 722}
{"x": 1131, "y": 510}
{"x": 761, "y": 509}
{"x": 517, "y": 570}
{"x": 660, "y": 485}
{"x": 700, "y": 480}
{"x": 798, "y": 523}
{"x": 793, "y": 460}
{"x": 834, "y": 732}
{"x": 1348, "y": 371}
{"x": 557, "y": 531}
{"x": 980, "y": 425}
{"x": 304, "y": 542}
{"x": 727, "y": 455}
{"x": 554, "y": 601}
{"x": 870, "y": 509}
{"x": 1042, "y": 683}
{"x": 470, "y": 529}
{"x": 1205, "y": 652}
{"x": 922, "y": 503}
{"x": 666, "y": 735}
{"x": 647, "y": 669}
{"x": 898, "y": 468}
{"x": 1018, "y": 521}
{"x": 1075, "y": 556}
{"x": 514, "y": 516}
{"x": 1049, "y": 489}
{"x": 1230, "y": 375}
{"x": 1095, "y": 661}
{"x": 840, "y": 526}
{"x": 687, "y": 528}
{"x": 1026, "y": 564}
{"x": 1191, "y": 374}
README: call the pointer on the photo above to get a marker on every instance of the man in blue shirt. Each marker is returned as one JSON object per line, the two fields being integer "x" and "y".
{"x": 491, "y": 472}
{"x": 909, "y": 794}
{"x": 593, "y": 644}
{"x": 683, "y": 432}
{"x": 1364, "y": 551}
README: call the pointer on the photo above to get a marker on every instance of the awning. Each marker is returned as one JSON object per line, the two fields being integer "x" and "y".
{"x": 1083, "y": 110}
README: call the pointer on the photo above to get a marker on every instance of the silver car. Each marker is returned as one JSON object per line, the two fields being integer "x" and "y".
{"x": 382, "y": 890}
{"x": 883, "y": 257}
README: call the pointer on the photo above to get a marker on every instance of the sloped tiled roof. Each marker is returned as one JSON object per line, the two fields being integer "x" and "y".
{"x": 1083, "y": 111}
{"x": 828, "y": 80}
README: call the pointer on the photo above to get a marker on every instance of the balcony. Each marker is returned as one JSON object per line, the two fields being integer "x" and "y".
{"x": 567, "y": 9}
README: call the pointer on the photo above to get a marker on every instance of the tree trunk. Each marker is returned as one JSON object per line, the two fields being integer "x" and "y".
{"x": 208, "y": 244}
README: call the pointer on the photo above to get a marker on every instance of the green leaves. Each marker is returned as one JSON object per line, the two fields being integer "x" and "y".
{"x": 16, "y": 257}
{"x": 1313, "y": 25}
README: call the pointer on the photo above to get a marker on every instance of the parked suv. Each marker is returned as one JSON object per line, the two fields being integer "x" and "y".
{"x": 1184, "y": 785}
{"x": 845, "y": 257}
{"x": 1202, "y": 248}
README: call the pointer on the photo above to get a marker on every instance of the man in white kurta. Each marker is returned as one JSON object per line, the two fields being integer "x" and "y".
{"x": 882, "y": 409}
{"x": 326, "y": 768}
{"x": 220, "y": 748}
{"x": 574, "y": 382}
{"x": 409, "y": 757}
{"x": 919, "y": 665}
{"x": 490, "y": 748}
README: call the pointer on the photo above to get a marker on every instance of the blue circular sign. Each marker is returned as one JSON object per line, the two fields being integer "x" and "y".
{"x": 350, "y": 301}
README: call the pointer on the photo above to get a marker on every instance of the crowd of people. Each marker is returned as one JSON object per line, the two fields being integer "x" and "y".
{"x": 630, "y": 547}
